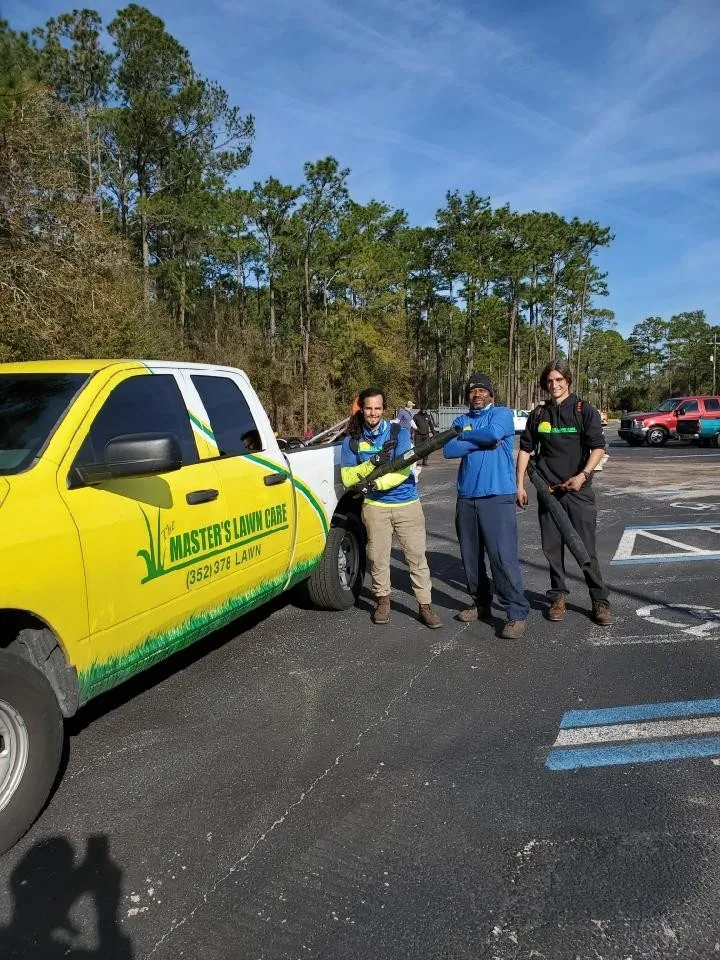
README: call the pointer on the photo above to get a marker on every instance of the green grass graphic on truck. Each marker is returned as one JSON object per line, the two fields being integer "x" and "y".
{"x": 103, "y": 675}
{"x": 154, "y": 556}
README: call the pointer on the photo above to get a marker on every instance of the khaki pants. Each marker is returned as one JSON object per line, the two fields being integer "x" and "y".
{"x": 407, "y": 522}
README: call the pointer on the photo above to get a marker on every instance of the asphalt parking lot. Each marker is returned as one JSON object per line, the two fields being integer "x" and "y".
{"x": 308, "y": 785}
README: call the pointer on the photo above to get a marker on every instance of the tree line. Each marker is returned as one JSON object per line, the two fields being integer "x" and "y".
{"x": 124, "y": 231}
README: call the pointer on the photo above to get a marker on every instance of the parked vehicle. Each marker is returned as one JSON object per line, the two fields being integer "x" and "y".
{"x": 144, "y": 505}
{"x": 705, "y": 430}
{"x": 519, "y": 419}
{"x": 657, "y": 426}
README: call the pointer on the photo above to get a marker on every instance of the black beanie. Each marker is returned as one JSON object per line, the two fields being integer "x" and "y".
{"x": 479, "y": 380}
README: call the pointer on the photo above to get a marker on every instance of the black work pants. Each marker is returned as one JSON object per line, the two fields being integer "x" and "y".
{"x": 420, "y": 439}
{"x": 582, "y": 512}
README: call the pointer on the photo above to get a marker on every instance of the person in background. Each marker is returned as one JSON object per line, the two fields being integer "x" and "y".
{"x": 405, "y": 418}
{"x": 566, "y": 437}
{"x": 391, "y": 506}
{"x": 424, "y": 429}
{"x": 485, "y": 517}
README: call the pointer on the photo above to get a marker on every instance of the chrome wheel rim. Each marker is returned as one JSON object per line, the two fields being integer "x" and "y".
{"x": 348, "y": 561}
{"x": 14, "y": 748}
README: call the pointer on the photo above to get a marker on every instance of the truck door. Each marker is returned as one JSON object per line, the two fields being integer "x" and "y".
{"x": 154, "y": 547}
{"x": 254, "y": 477}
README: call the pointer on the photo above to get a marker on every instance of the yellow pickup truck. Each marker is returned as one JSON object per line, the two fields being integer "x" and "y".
{"x": 142, "y": 506}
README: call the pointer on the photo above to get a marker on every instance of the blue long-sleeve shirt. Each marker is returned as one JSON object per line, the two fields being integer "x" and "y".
{"x": 486, "y": 448}
{"x": 394, "y": 488}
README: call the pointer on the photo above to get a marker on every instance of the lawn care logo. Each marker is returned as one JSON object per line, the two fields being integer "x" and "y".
{"x": 545, "y": 427}
{"x": 201, "y": 543}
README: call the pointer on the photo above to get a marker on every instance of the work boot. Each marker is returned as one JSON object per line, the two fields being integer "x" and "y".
{"x": 513, "y": 629}
{"x": 475, "y": 611}
{"x": 601, "y": 613}
{"x": 429, "y": 617}
{"x": 381, "y": 613}
{"x": 557, "y": 609}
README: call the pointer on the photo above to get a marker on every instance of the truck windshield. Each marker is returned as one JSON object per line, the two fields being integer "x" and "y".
{"x": 667, "y": 405}
{"x": 31, "y": 406}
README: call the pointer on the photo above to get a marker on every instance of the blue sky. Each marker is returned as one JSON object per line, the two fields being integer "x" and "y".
{"x": 602, "y": 109}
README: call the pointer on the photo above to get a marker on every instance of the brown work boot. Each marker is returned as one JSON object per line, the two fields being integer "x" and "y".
{"x": 512, "y": 629}
{"x": 557, "y": 609}
{"x": 381, "y": 613}
{"x": 429, "y": 617}
{"x": 473, "y": 612}
{"x": 601, "y": 613}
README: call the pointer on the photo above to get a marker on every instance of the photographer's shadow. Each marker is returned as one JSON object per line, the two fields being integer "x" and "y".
{"x": 45, "y": 885}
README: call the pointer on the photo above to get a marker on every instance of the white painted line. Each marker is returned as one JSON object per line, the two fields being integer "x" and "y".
{"x": 625, "y": 548}
{"x": 610, "y": 640}
{"x": 653, "y": 730}
{"x": 673, "y": 543}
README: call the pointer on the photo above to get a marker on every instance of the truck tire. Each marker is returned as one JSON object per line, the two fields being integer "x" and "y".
{"x": 335, "y": 584}
{"x": 716, "y": 440}
{"x": 656, "y": 436}
{"x": 31, "y": 741}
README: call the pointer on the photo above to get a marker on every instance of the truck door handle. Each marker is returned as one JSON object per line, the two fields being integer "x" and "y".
{"x": 201, "y": 496}
{"x": 272, "y": 479}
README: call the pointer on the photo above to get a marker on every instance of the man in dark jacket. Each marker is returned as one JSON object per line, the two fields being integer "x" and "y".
{"x": 567, "y": 438}
{"x": 424, "y": 429}
{"x": 485, "y": 516}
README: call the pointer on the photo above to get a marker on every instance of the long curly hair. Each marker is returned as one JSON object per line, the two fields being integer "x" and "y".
{"x": 357, "y": 420}
{"x": 559, "y": 366}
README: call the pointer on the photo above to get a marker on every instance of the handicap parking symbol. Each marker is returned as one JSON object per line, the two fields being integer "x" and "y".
{"x": 689, "y": 618}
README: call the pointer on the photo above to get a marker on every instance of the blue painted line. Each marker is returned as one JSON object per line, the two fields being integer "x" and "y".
{"x": 650, "y": 752}
{"x": 654, "y": 558}
{"x": 642, "y": 711}
{"x": 673, "y": 526}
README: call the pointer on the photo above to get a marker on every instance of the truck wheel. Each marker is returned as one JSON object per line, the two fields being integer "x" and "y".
{"x": 716, "y": 439}
{"x": 336, "y": 583}
{"x": 656, "y": 436}
{"x": 636, "y": 441}
{"x": 31, "y": 740}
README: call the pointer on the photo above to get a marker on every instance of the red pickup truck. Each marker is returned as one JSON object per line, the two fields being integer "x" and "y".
{"x": 657, "y": 426}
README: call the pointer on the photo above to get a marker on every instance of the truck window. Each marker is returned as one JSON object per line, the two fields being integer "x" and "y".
{"x": 230, "y": 419}
{"x": 31, "y": 407}
{"x": 690, "y": 407}
{"x": 143, "y": 404}
{"x": 712, "y": 404}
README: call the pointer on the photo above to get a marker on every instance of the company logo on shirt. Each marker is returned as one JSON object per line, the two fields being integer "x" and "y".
{"x": 545, "y": 427}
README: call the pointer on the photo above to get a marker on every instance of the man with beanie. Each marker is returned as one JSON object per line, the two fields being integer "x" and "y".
{"x": 485, "y": 517}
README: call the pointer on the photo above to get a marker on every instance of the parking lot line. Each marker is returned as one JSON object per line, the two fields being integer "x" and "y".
{"x": 653, "y": 730}
{"x": 639, "y": 712}
{"x": 609, "y": 640}
{"x": 650, "y": 752}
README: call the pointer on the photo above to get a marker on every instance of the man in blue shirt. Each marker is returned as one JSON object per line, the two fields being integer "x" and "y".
{"x": 485, "y": 517}
{"x": 390, "y": 507}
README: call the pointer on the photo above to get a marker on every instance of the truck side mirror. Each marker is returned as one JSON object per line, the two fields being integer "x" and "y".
{"x": 132, "y": 455}
{"x": 142, "y": 454}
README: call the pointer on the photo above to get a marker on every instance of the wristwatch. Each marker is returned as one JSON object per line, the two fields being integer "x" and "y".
{"x": 586, "y": 474}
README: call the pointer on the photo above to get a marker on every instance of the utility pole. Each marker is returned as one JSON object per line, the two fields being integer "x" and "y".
{"x": 714, "y": 362}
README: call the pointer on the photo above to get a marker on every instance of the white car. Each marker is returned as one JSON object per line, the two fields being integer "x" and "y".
{"x": 519, "y": 419}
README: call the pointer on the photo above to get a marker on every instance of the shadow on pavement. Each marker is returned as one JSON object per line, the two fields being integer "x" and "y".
{"x": 45, "y": 885}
